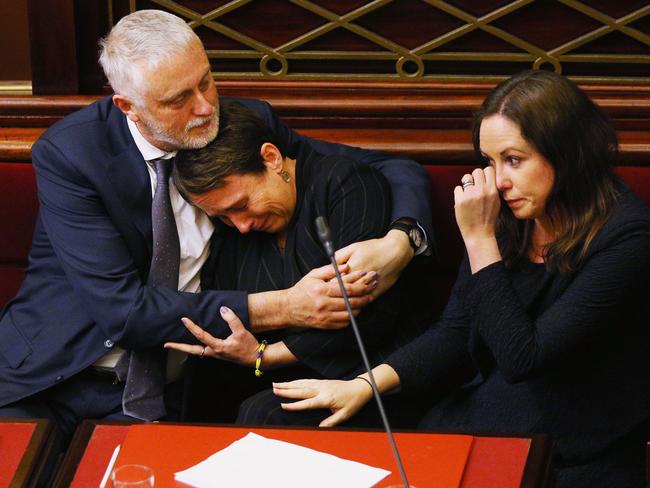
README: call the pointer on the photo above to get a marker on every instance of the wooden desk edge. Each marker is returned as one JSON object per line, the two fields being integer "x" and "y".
{"x": 647, "y": 462}
{"x": 33, "y": 461}
{"x": 74, "y": 454}
{"x": 76, "y": 451}
{"x": 538, "y": 463}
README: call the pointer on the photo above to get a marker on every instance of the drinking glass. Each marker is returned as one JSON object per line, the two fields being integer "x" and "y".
{"x": 132, "y": 476}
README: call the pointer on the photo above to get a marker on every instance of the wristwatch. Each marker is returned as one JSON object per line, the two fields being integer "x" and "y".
{"x": 412, "y": 230}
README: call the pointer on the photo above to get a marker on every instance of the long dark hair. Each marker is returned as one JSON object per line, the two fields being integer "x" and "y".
{"x": 578, "y": 140}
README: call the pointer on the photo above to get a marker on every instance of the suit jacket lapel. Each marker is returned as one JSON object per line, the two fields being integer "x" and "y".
{"x": 133, "y": 188}
{"x": 127, "y": 172}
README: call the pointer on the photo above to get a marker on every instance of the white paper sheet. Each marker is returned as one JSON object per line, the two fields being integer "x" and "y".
{"x": 254, "y": 461}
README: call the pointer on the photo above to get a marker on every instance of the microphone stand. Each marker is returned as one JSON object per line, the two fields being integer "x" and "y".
{"x": 325, "y": 238}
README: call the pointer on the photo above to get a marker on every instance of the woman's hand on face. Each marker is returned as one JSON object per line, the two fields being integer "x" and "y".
{"x": 477, "y": 206}
{"x": 342, "y": 398}
{"x": 316, "y": 300}
{"x": 239, "y": 347}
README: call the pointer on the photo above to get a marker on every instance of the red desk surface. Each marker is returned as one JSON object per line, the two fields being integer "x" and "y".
{"x": 24, "y": 444}
{"x": 14, "y": 439}
{"x": 429, "y": 460}
{"x": 493, "y": 462}
{"x": 104, "y": 440}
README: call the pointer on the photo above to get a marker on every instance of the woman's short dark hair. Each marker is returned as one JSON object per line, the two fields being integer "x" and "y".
{"x": 577, "y": 139}
{"x": 236, "y": 150}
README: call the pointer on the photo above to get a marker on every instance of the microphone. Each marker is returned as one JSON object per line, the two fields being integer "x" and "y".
{"x": 325, "y": 237}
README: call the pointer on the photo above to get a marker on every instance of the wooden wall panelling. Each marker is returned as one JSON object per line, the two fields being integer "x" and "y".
{"x": 429, "y": 122}
{"x": 92, "y": 22}
{"x": 14, "y": 32}
{"x": 53, "y": 47}
{"x": 64, "y": 45}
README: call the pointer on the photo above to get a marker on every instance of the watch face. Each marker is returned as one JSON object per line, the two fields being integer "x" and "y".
{"x": 416, "y": 237}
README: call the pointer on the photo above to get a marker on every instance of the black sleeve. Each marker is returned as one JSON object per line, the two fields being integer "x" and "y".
{"x": 439, "y": 357}
{"x": 356, "y": 201}
{"x": 608, "y": 283}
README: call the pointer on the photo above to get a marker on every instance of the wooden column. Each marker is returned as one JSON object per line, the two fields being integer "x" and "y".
{"x": 53, "y": 47}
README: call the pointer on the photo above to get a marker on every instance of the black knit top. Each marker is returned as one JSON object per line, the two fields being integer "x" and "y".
{"x": 525, "y": 350}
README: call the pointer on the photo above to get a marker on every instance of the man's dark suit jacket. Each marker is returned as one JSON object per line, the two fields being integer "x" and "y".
{"x": 84, "y": 287}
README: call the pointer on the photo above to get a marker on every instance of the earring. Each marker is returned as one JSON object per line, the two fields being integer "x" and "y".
{"x": 286, "y": 177}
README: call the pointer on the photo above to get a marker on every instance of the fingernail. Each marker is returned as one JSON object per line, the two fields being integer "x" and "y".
{"x": 363, "y": 273}
{"x": 224, "y": 310}
{"x": 185, "y": 321}
{"x": 375, "y": 275}
{"x": 373, "y": 284}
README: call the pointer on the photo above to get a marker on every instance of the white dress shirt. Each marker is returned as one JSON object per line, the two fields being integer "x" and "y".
{"x": 194, "y": 233}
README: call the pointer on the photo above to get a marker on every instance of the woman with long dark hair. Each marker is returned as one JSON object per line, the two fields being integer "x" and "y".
{"x": 547, "y": 328}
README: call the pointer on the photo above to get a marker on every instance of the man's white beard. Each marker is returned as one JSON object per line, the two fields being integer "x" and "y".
{"x": 186, "y": 141}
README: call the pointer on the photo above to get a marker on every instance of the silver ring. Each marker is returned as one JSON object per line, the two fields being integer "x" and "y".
{"x": 202, "y": 352}
{"x": 467, "y": 180}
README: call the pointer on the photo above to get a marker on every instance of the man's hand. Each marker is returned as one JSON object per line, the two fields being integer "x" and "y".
{"x": 388, "y": 255}
{"x": 316, "y": 300}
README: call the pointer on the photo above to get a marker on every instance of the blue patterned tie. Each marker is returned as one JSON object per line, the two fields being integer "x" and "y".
{"x": 143, "y": 396}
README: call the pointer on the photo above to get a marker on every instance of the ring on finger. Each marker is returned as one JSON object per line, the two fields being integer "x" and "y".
{"x": 202, "y": 352}
{"x": 467, "y": 180}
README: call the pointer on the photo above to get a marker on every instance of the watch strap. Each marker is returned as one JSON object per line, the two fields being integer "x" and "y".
{"x": 406, "y": 228}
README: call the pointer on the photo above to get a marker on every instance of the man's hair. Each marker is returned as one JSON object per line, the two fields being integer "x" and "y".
{"x": 146, "y": 38}
{"x": 236, "y": 150}
{"x": 575, "y": 136}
